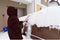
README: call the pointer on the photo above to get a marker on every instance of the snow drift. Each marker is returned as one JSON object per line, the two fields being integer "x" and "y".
{"x": 45, "y": 17}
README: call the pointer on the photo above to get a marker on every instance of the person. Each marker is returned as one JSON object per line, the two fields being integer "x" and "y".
{"x": 14, "y": 25}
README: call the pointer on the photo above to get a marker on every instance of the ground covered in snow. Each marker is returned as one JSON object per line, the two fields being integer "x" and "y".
{"x": 4, "y": 36}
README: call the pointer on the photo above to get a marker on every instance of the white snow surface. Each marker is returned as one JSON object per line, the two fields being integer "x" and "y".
{"x": 4, "y": 36}
{"x": 22, "y": 18}
{"x": 45, "y": 17}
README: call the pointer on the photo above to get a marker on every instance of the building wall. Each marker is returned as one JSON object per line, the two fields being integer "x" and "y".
{"x": 37, "y": 5}
{"x": 44, "y": 2}
{"x": 34, "y": 6}
{"x": 3, "y": 20}
{"x": 20, "y": 12}
{"x": 31, "y": 7}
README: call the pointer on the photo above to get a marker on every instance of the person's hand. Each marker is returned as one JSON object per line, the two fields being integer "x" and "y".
{"x": 25, "y": 21}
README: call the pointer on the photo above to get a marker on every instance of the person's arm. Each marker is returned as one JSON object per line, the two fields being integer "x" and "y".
{"x": 21, "y": 24}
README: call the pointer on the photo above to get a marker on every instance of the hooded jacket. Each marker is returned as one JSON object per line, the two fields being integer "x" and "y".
{"x": 14, "y": 25}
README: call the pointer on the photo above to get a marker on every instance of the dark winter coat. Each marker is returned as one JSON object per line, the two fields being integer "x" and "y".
{"x": 14, "y": 25}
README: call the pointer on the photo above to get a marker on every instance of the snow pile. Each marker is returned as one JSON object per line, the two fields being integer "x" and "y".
{"x": 46, "y": 17}
{"x": 49, "y": 16}
{"x": 22, "y": 18}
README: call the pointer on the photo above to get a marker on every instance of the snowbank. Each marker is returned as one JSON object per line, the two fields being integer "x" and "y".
{"x": 49, "y": 16}
{"x": 45, "y": 17}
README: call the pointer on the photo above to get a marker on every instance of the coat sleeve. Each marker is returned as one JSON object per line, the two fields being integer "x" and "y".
{"x": 17, "y": 25}
{"x": 21, "y": 24}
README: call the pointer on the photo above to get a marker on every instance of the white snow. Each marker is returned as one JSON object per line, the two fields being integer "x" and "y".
{"x": 22, "y": 18}
{"x": 50, "y": 16}
{"x": 46, "y": 17}
{"x": 4, "y": 36}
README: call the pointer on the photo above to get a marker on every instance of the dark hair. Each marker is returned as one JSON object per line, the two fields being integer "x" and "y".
{"x": 11, "y": 11}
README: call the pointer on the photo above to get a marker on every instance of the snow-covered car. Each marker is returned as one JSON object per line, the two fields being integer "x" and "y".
{"x": 45, "y": 23}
